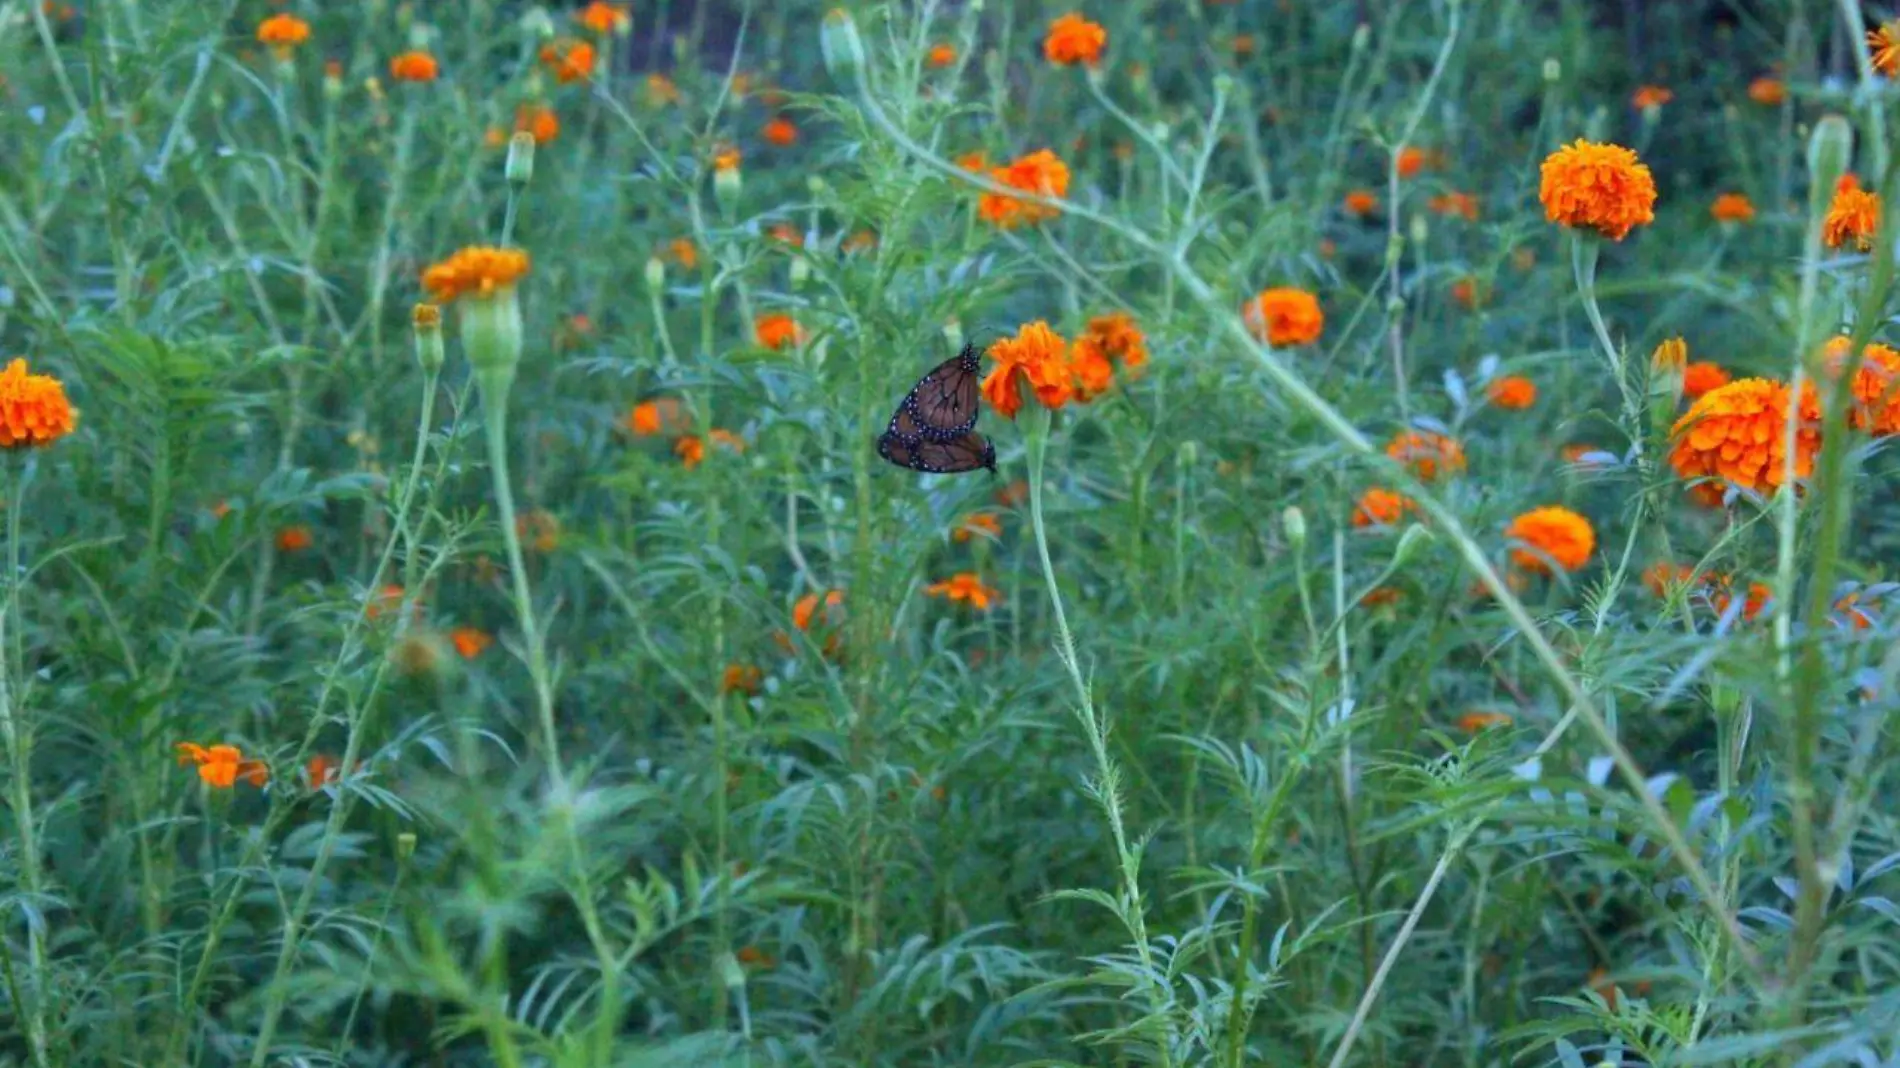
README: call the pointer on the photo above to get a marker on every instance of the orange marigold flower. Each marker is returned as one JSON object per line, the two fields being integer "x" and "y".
{"x": 494, "y": 137}
{"x": 1671, "y": 357}
{"x": 293, "y": 539}
{"x": 1412, "y": 160}
{"x": 1768, "y": 92}
{"x": 974, "y": 161}
{"x": 1361, "y": 202}
{"x": 1473, "y": 722}
{"x": 1463, "y": 204}
{"x": 1512, "y": 391}
{"x": 1427, "y": 454}
{"x": 1037, "y": 355}
{"x": 1073, "y": 39}
{"x": 941, "y": 55}
{"x": 1598, "y": 187}
{"x": 414, "y": 67}
{"x": 661, "y": 91}
{"x": 1662, "y": 577}
{"x": 539, "y": 122}
{"x": 1466, "y": 292}
{"x": 966, "y": 586}
{"x": 977, "y": 523}
{"x": 777, "y": 330}
{"x": 321, "y": 771}
{"x": 387, "y": 600}
{"x": 221, "y": 766}
{"x": 1876, "y": 385}
{"x": 569, "y": 61}
{"x": 684, "y": 252}
{"x": 727, "y": 440}
{"x": 602, "y": 17}
{"x": 1883, "y": 45}
{"x": 1284, "y": 316}
{"x": 1109, "y": 340}
{"x": 726, "y": 160}
{"x": 1737, "y": 432}
{"x": 805, "y": 611}
{"x": 1702, "y": 376}
{"x": 1849, "y": 611}
{"x": 1554, "y": 534}
{"x": 860, "y": 241}
{"x": 780, "y": 132}
{"x": 787, "y": 234}
{"x": 691, "y": 449}
{"x": 1732, "y": 208}
{"x": 741, "y": 678}
{"x": 470, "y": 642}
{"x": 1650, "y": 96}
{"x": 476, "y": 271}
{"x": 655, "y": 416}
{"x": 1758, "y": 597}
{"x": 283, "y": 33}
{"x": 1853, "y": 216}
{"x": 33, "y": 408}
{"x": 754, "y": 957}
{"x": 1380, "y": 596}
{"x": 1382, "y": 507}
{"x": 1041, "y": 172}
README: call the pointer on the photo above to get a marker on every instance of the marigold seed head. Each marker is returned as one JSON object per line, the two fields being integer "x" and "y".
{"x": 1551, "y": 535}
{"x": 1599, "y": 187}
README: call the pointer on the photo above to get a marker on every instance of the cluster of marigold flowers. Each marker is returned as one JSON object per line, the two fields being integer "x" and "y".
{"x": 1056, "y": 372}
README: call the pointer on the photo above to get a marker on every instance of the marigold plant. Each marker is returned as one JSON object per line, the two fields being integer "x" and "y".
{"x": 1512, "y": 391}
{"x": 776, "y": 330}
{"x": 1459, "y": 205}
{"x": 1736, "y": 433}
{"x": 283, "y": 33}
{"x": 1285, "y": 316}
{"x": 538, "y": 122}
{"x": 1428, "y": 454}
{"x": 1732, "y": 208}
{"x": 1852, "y": 218}
{"x": 1036, "y": 355}
{"x": 1650, "y": 96}
{"x": 470, "y": 642}
{"x": 33, "y": 408}
{"x": 604, "y": 18}
{"x": 478, "y": 272}
{"x": 1598, "y": 187}
{"x": 977, "y": 524}
{"x": 414, "y": 67}
{"x": 1361, "y": 202}
{"x": 1073, "y": 39}
{"x": 1702, "y": 376}
{"x": 569, "y": 61}
{"x": 1551, "y": 535}
{"x": 221, "y": 766}
{"x": 1042, "y": 173}
{"x": 1110, "y": 341}
{"x": 1382, "y": 508}
{"x": 1883, "y": 48}
{"x": 968, "y": 587}
{"x": 1768, "y": 92}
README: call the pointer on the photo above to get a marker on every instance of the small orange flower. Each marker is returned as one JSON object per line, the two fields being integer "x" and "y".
{"x": 661, "y": 91}
{"x": 1737, "y": 432}
{"x": 974, "y": 161}
{"x": 1650, "y": 96}
{"x": 1732, "y": 208}
{"x": 1361, "y": 202}
{"x": 1427, "y": 454}
{"x": 860, "y": 241}
{"x": 1413, "y": 160}
{"x": 691, "y": 449}
{"x": 1883, "y": 45}
{"x": 726, "y": 160}
{"x": 1662, "y": 577}
{"x": 977, "y": 523}
{"x": 1768, "y": 92}
{"x": 941, "y": 55}
{"x": 1473, "y": 722}
{"x": 656, "y": 416}
{"x": 221, "y": 766}
{"x": 777, "y": 330}
{"x": 1383, "y": 508}
{"x": 539, "y": 122}
{"x": 1598, "y": 187}
{"x": 283, "y": 33}
{"x": 569, "y": 61}
{"x": 494, "y": 137}
{"x": 1556, "y": 533}
{"x": 414, "y": 67}
{"x": 754, "y": 957}
{"x": 1512, "y": 391}
{"x": 780, "y": 132}
{"x": 1109, "y": 340}
{"x": 33, "y": 408}
{"x": 728, "y": 440}
{"x": 1285, "y": 316}
{"x": 1041, "y": 172}
{"x": 293, "y": 539}
{"x": 806, "y": 610}
{"x": 1853, "y": 216}
{"x": 1757, "y": 599}
{"x": 604, "y": 18}
{"x": 470, "y": 642}
{"x": 741, "y": 678}
{"x": 1037, "y": 355}
{"x": 1461, "y": 204}
{"x": 475, "y": 271}
{"x": 1876, "y": 385}
{"x": 321, "y": 771}
{"x": 1700, "y": 377}
{"x": 1466, "y": 293}
{"x": 966, "y": 586}
{"x": 684, "y": 252}
{"x": 539, "y": 529}
{"x": 1380, "y": 596}
{"x": 1073, "y": 39}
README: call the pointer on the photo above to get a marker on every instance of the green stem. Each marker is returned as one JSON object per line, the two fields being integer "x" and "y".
{"x": 19, "y": 739}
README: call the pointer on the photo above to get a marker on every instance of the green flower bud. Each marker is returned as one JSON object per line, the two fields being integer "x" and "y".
{"x": 842, "y": 48}
{"x": 656, "y": 275}
{"x": 953, "y": 332}
{"x": 428, "y": 327}
{"x": 519, "y": 170}
{"x": 405, "y": 845}
{"x": 1294, "y": 522}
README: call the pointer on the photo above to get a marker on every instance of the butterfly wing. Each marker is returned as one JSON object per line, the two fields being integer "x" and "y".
{"x": 943, "y": 403}
{"x": 965, "y": 452}
{"x": 898, "y": 449}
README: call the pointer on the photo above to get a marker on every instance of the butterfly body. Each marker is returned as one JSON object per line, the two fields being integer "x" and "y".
{"x": 933, "y": 428}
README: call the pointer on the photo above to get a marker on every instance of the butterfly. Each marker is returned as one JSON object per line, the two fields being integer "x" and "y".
{"x": 933, "y": 428}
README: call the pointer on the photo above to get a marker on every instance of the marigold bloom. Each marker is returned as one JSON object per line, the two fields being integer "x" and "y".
{"x": 1473, "y": 722}
{"x": 974, "y": 161}
{"x": 1598, "y": 187}
{"x": 1041, "y": 172}
{"x": 1427, "y": 454}
{"x": 941, "y": 55}
{"x": 221, "y": 766}
{"x": 414, "y": 67}
{"x": 780, "y": 132}
{"x": 569, "y": 61}
{"x": 1758, "y": 597}
{"x": 977, "y": 523}
{"x": 966, "y": 586}
{"x": 321, "y": 771}
{"x": 1037, "y": 355}
{"x": 741, "y": 678}
{"x": 1853, "y": 216}
{"x": 33, "y": 408}
{"x": 1380, "y": 596}
{"x": 1109, "y": 340}
{"x": 1768, "y": 92}
{"x": 470, "y": 642}
{"x": 1462, "y": 204}
{"x": 777, "y": 330}
{"x": 1013, "y": 494}
{"x": 1650, "y": 96}
{"x": 726, "y": 160}
{"x": 1285, "y": 316}
{"x": 1073, "y": 39}
{"x": 859, "y": 241}
{"x": 661, "y": 91}
{"x": 1732, "y": 208}
{"x": 293, "y": 539}
{"x": 476, "y": 271}
{"x": 1361, "y": 202}
{"x": 650, "y": 417}
{"x": 1512, "y": 391}
{"x": 1466, "y": 293}
{"x": 805, "y": 613}
{"x": 1883, "y": 45}
{"x": 1736, "y": 432}
{"x": 604, "y": 18}
{"x": 1702, "y": 376}
{"x": 283, "y": 33}
{"x": 1412, "y": 160}
{"x": 1876, "y": 385}
{"x": 1382, "y": 507}
{"x": 1557, "y": 533}
{"x": 691, "y": 449}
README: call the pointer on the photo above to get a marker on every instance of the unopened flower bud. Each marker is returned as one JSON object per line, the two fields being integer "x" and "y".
{"x": 1361, "y": 36}
{"x": 953, "y": 332}
{"x": 727, "y": 185}
{"x": 519, "y": 169}
{"x": 1188, "y": 453}
{"x": 405, "y": 845}
{"x": 1553, "y": 71}
{"x": 656, "y": 275}
{"x": 842, "y": 48}
{"x": 429, "y": 348}
{"x": 1294, "y": 522}
{"x": 800, "y": 272}
{"x": 1420, "y": 229}
{"x": 332, "y": 81}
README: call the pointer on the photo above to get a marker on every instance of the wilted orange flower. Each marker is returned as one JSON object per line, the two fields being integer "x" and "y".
{"x": 741, "y": 678}
{"x": 726, "y": 439}
{"x": 33, "y": 408}
{"x": 1073, "y": 39}
{"x": 1650, "y": 96}
{"x": 602, "y": 17}
{"x": 1463, "y": 204}
{"x": 1662, "y": 576}
{"x": 1768, "y": 92}
{"x": 1557, "y": 533}
{"x": 470, "y": 642}
{"x": 1382, "y": 507}
{"x": 655, "y": 416}
{"x": 1884, "y": 46}
{"x": 1013, "y": 494}
{"x": 1876, "y": 385}
{"x": 321, "y": 771}
{"x": 977, "y": 523}
{"x": 1702, "y": 376}
{"x": 806, "y": 609}
{"x": 1736, "y": 432}
{"x": 539, "y": 122}
{"x": 388, "y": 599}
{"x": 1413, "y": 159}
{"x": 1473, "y": 722}
{"x": 475, "y": 271}
{"x": 1036, "y": 354}
{"x": 780, "y": 132}
{"x": 661, "y": 91}
{"x": 754, "y": 957}
{"x": 966, "y": 586}
{"x": 941, "y": 55}
{"x": 1285, "y": 316}
{"x": 569, "y": 61}
{"x": 1427, "y": 454}
{"x": 1732, "y": 207}
{"x": 221, "y": 766}
{"x": 1598, "y": 187}
{"x": 293, "y": 539}
{"x": 1361, "y": 202}
{"x": 283, "y": 33}
{"x": 1109, "y": 340}
{"x": 1512, "y": 391}
{"x": 1041, "y": 172}
{"x": 691, "y": 449}
{"x": 1853, "y": 216}
{"x": 777, "y": 330}
{"x": 539, "y": 529}
{"x": 414, "y": 67}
